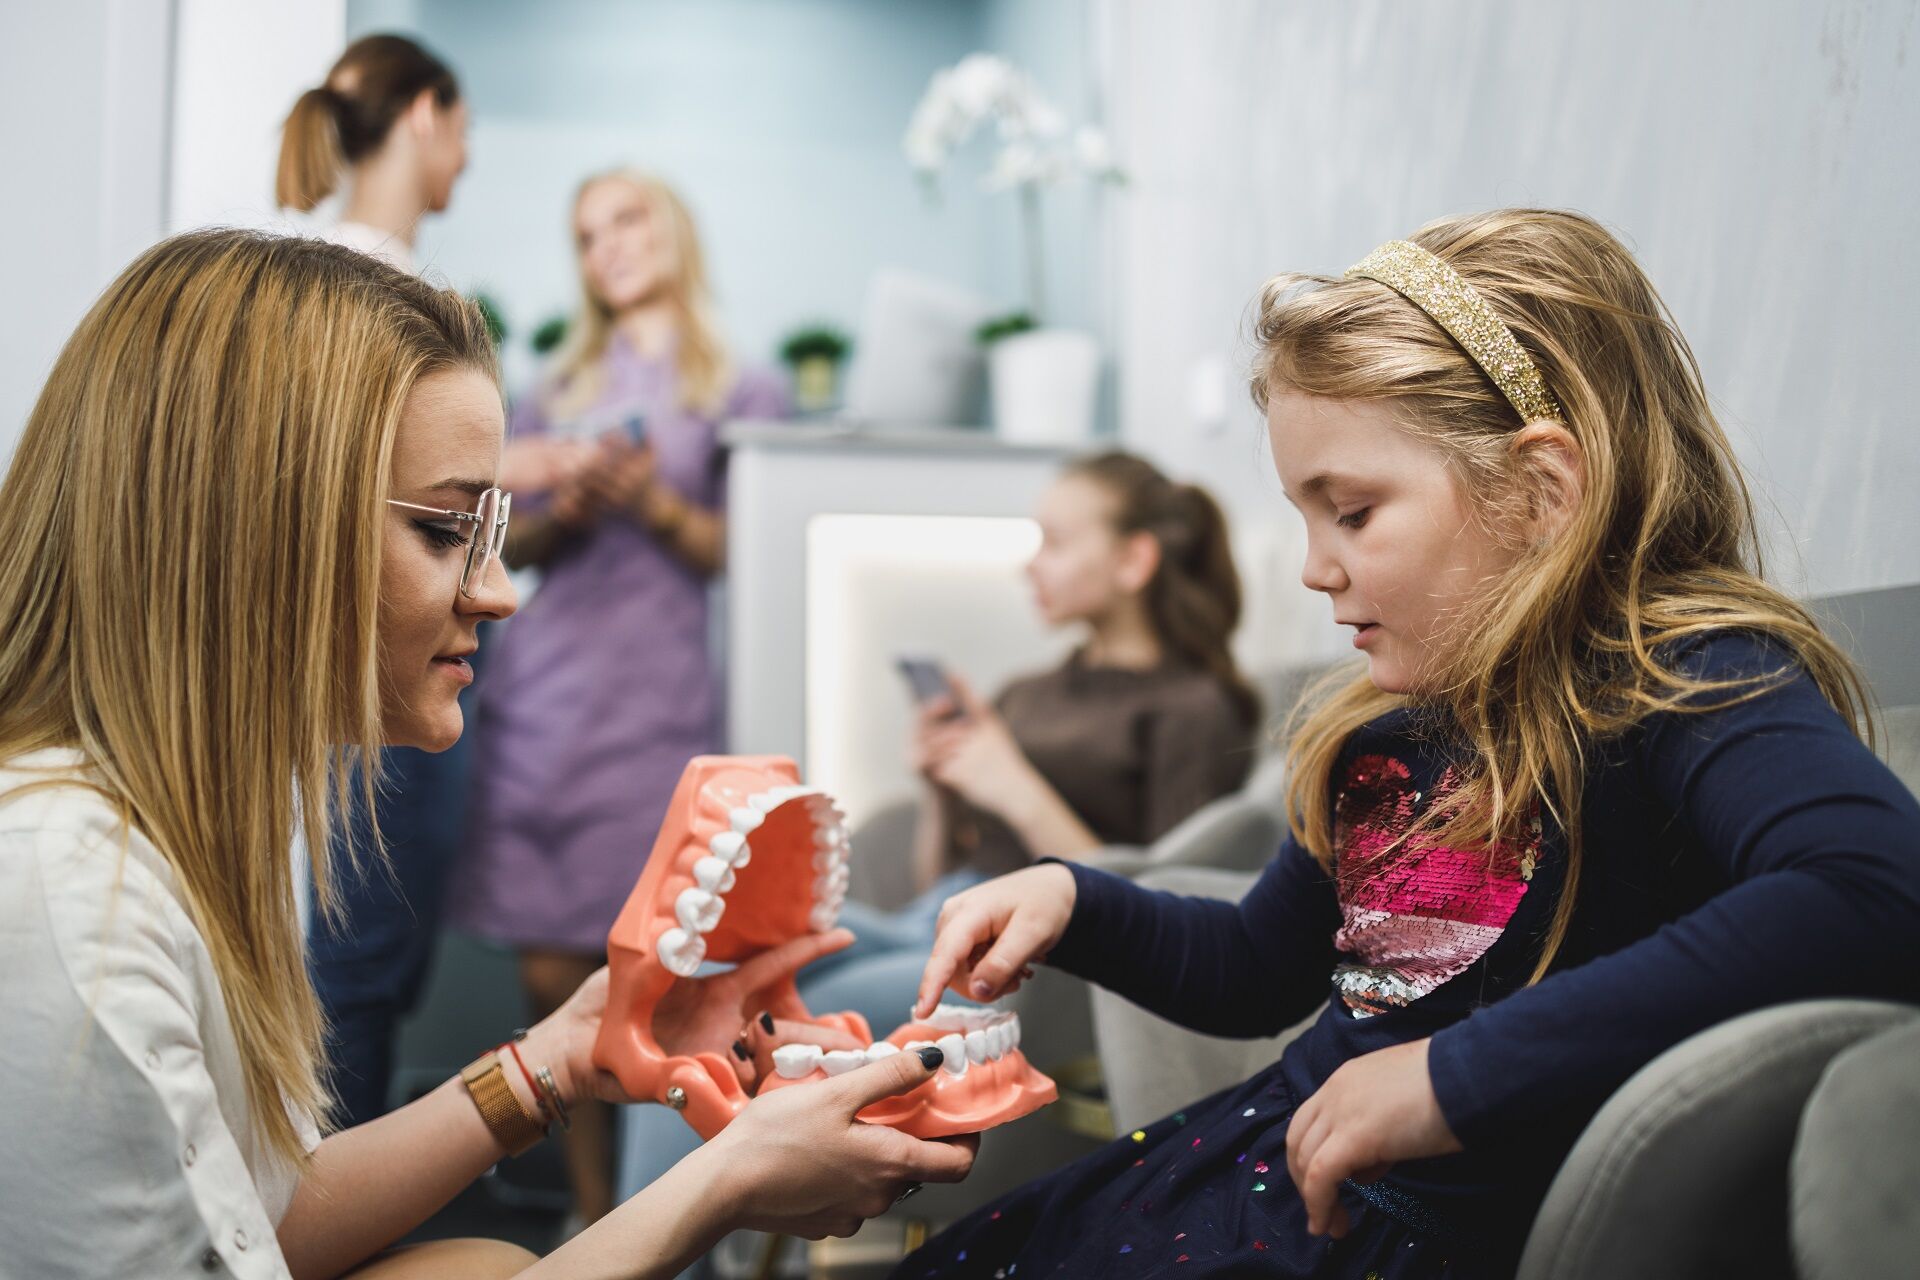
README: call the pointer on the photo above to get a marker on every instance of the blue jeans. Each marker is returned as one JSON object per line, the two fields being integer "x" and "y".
{"x": 370, "y": 968}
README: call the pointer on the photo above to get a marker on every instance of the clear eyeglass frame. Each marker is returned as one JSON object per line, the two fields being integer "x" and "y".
{"x": 486, "y": 539}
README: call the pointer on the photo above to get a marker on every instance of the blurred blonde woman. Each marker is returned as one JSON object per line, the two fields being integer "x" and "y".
{"x": 602, "y": 689}
{"x": 250, "y": 532}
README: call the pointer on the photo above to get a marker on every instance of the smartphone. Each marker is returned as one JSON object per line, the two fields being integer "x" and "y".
{"x": 927, "y": 680}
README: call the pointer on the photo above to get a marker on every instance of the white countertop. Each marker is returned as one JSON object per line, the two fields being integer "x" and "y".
{"x": 842, "y": 434}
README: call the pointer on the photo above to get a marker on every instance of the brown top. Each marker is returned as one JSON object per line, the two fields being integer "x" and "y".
{"x": 1131, "y": 752}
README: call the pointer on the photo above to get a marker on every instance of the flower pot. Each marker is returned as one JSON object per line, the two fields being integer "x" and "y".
{"x": 1044, "y": 385}
{"x": 814, "y": 382}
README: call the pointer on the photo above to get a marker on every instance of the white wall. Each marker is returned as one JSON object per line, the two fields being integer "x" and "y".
{"x": 779, "y": 120}
{"x": 1757, "y": 156}
{"x": 83, "y": 92}
{"x": 240, "y": 66}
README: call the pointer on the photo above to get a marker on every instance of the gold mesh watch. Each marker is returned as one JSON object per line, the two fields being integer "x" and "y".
{"x": 506, "y": 1119}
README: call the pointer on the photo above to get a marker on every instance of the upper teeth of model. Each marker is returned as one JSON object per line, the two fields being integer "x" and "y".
{"x": 698, "y": 908}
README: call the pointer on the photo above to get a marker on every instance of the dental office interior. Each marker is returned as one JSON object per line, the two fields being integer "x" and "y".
{"x": 943, "y": 254}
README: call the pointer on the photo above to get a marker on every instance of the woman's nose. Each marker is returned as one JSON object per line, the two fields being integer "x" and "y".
{"x": 496, "y": 597}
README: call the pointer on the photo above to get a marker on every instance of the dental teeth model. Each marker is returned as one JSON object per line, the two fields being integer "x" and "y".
{"x": 746, "y": 860}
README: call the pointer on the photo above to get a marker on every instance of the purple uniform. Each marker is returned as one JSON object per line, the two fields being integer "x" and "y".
{"x": 601, "y": 688}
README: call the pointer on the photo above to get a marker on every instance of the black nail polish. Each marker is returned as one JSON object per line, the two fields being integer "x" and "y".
{"x": 931, "y": 1056}
{"x": 766, "y": 1023}
{"x": 740, "y": 1050}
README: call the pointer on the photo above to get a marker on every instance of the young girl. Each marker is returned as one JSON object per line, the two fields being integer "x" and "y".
{"x": 1599, "y": 788}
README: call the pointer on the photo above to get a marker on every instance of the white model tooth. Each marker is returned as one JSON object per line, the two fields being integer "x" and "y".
{"x": 999, "y": 1040}
{"x": 697, "y": 910}
{"x": 824, "y": 916}
{"x": 713, "y": 874}
{"x": 826, "y": 860}
{"x": 731, "y": 848}
{"x": 681, "y": 952}
{"x": 977, "y": 1046}
{"x": 765, "y": 801}
{"x": 829, "y": 837}
{"x": 745, "y": 820}
{"x": 948, "y": 1017}
{"x": 881, "y": 1049}
{"x": 840, "y": 1061}
{"x": 796, "y": 1061}
{"x": 955, "y": 1048}
{"x": 1013, "y": 1030}
{"x": 915, "y": 1046}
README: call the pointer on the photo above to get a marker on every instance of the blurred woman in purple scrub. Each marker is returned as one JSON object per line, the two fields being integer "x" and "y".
{"x": 602, "y": 688}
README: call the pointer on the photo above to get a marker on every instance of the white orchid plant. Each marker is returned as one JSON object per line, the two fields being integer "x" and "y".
{"x": 1037, "y": 149}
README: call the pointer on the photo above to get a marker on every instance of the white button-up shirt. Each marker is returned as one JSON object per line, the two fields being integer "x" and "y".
{"x": 126, "y": 1143}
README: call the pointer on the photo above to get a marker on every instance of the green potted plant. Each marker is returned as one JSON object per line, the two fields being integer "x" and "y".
{"x": 815, "y": 354}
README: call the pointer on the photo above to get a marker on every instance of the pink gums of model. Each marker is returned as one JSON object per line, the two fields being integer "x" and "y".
{"x": 748, "y": 859}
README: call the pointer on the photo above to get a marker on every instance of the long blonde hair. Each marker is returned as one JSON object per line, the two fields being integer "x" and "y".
{"x": 193, "y": 531}
{"x": 700, "y": 355}
{"x": 1577, "y": 644}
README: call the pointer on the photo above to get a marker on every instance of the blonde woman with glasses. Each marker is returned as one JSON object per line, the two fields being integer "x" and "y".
{"x": 250, "y": 531}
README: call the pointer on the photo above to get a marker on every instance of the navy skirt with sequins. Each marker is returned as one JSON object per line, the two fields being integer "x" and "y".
{"x": 1204, "y": 1192}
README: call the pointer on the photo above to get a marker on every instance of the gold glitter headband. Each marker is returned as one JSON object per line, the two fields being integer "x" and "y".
{"x": 1437, "y": 289}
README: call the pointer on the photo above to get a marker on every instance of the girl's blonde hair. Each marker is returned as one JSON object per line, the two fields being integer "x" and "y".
{"x": 1578, "y": 643}
{"x": 700, "y": 355}
{"x": 193, "y": 530}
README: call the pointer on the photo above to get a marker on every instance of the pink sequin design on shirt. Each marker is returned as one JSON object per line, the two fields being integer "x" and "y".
{"x": 1418, "y": 915}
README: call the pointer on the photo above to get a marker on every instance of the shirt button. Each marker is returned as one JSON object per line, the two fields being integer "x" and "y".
{"x": 189, "y": 1155}
{"x": 153, "y": 1059}
{"x": 240, "y": 1240}
{"x": 210, "y": 1260}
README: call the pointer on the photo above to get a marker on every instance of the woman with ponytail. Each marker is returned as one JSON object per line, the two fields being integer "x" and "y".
{"x": 389, "y": 126}
{"x": 1146, "y": 721}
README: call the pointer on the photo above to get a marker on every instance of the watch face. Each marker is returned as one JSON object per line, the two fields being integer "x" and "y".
{"x": 748, "y": 859}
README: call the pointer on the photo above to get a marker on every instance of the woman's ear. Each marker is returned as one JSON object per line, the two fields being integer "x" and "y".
{"x": 1139, "y": 560}
{"x": 423, "y": 115}
{"x": 1552, "y": 466}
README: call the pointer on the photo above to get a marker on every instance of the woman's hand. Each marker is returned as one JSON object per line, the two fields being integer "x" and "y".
{"x": 723, "y": 1013}
{"x": 1373, "y": 1112}
{"x": 625, "y": 478}
{"x": 975, "y": 754}
{"x": 990, "y": 934}
{"x": 797, "y": 1162}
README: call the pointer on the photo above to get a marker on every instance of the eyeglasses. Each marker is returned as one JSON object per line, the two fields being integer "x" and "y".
{"x": 484, "y": 541}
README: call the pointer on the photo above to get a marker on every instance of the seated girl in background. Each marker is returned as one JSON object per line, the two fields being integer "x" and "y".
{"x": 1599, "y": 788}
{"x": 1147, "y": 720}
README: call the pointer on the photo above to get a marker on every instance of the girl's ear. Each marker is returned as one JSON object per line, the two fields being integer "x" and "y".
{"x": 1139, "y": 560}
{"x": 1552, "y": 466}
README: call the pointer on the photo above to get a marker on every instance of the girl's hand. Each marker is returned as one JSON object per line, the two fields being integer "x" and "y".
{"x": 1372, "y": 1113}
{"x": 723, "y": 1013}
{"x": 797, "y": 1162}
{"x": 975, "y": 754}
{"x": 989, "y": 934}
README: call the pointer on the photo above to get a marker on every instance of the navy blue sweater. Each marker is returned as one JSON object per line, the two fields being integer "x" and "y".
{"x": 1733, "y": 858}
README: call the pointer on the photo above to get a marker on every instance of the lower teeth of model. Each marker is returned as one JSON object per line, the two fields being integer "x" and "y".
{"x": 798, "y": 1061}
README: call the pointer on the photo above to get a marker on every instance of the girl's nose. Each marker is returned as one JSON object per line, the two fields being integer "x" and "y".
{"x": 1322, "y": 572}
